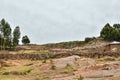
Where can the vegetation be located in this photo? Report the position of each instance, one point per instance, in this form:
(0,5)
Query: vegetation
(25,40)
(38,79)
(108,58)
(5,34)
(9,39)
(67,45)
(111,33)
(80,78)
(16,36)
(53,67)
(88,39)
(18,69)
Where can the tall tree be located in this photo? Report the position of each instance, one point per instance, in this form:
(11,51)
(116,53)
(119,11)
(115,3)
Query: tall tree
(117,28)
(106,32)
(5,30)
(109,33)
(16,36)
(25,40)
(2,23)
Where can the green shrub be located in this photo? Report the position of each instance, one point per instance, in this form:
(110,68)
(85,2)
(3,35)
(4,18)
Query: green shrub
(53,67)
(118,59)
(108,58)
(38,79)
(88,39)
(80,78)
(44,61)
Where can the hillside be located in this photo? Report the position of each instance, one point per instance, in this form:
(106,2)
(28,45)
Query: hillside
(43,62)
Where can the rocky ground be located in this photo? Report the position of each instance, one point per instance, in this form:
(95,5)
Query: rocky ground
(67,68)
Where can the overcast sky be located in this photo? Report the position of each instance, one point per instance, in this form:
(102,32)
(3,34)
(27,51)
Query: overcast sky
(49,21)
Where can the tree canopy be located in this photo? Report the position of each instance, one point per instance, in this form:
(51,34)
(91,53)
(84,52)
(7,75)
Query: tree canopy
(25,40)
(16,36)
(111,33)
(9,39)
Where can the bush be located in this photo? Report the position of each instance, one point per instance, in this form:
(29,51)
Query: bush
(108,58)
(80,78)
(53,67)
(88,39)
(38,79)
(118,59)
(44,61)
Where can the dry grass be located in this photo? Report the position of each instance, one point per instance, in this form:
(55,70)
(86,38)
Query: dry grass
(107,58)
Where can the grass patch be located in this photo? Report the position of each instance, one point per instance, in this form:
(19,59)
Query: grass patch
(118,59)
(34,51)
(39,79)
(4,52)
(80,78)
(27,51)
(16,70)
(107,58)
(9,77)
(45,52)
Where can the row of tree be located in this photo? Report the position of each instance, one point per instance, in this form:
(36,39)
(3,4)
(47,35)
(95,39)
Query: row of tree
(9,39)
(111,33)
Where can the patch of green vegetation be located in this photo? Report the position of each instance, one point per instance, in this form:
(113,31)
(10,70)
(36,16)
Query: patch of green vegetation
(118,59)
(39,79)
(44,61)
(22,69)
(80,78)
(3,52)
(45,52)
(9,77)
(53,67)
(27,51)
(69,68)
(88,39)
(107,58)
(117,78)
(66,45)
(37,72)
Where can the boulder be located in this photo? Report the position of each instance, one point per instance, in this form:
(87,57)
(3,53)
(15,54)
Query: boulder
(63,62)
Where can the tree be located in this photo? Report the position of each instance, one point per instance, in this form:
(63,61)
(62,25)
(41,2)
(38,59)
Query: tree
(106,32)
(110,33)
(7,39)
(88,39)
(7,34)
(16,36)
(5,31)
(117,28)
(25,40)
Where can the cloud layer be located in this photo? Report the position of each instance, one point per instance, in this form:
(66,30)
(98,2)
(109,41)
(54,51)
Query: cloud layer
(46,21)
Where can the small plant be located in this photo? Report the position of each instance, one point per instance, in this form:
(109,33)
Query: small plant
(51,61)
(38,79)
(53,67)
(69,68)
(80,78)
(118,59)
(44,61)
(108,58)
(68,65)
